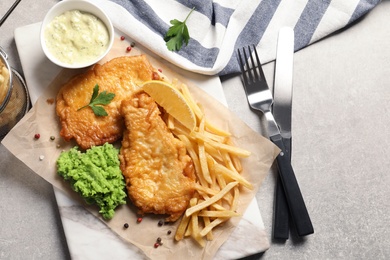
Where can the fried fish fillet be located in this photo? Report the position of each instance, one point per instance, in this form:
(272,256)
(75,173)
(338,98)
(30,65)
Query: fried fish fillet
(121,76)
(159,174)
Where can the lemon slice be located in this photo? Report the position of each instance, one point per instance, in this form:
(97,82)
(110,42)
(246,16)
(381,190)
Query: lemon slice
(172,100)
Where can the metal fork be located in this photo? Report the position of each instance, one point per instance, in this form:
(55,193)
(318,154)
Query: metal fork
(260,98)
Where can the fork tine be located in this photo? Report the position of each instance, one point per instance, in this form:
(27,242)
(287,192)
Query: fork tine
(243,61)
(249,68)
(250,64)
(262,76)
(253,69)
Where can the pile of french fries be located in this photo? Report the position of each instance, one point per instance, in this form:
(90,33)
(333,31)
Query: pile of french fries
(217,165)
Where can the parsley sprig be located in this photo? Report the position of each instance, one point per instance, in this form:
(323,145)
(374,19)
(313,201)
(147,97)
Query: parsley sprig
(102,98)
(177,34)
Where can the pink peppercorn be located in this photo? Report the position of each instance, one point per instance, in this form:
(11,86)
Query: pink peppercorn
(128,49)
(122,38)
(37,136)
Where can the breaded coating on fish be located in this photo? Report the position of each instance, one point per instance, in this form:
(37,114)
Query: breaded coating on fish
(121,76)
(159,174)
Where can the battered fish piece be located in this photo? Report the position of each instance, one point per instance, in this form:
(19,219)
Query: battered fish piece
(121,76)
(158,172)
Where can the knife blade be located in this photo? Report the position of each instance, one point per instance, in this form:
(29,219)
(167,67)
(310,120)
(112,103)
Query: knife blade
(282,110)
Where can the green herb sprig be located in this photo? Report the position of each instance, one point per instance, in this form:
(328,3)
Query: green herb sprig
(97,99)
(177,34)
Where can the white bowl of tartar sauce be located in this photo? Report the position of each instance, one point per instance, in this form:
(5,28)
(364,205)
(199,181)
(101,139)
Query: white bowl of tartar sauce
(76,34)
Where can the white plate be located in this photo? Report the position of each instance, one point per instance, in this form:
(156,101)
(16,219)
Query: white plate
(89,238)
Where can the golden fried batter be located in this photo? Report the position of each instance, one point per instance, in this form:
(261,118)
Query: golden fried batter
(159,174)
(121,76)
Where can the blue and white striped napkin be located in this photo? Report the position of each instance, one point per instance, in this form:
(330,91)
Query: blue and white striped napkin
(218,27)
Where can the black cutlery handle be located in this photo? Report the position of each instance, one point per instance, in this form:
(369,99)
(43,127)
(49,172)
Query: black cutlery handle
(296,204)
(281,228)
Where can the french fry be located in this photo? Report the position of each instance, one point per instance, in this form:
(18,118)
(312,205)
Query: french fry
(212,225)
(202,155)
(210,163)
(228,161)
(217,163)
(222,183)
(213,152)
(236,194)
(195,230)
(205,190)
(235,160)
(170,122)
(189,229)
(181,229)
(198,112)
(209,235)
(218,214)
(224,147)
(212,200)
(203,163)
(194,156)
(233,175)
(181,130)
(216,206)
(215,137)
(187,95)
(236,163)
(216,130)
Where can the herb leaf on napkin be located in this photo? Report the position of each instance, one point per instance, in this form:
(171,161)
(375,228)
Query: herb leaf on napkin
(177,34)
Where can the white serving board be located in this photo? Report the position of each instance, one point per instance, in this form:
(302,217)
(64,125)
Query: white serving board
(88,237)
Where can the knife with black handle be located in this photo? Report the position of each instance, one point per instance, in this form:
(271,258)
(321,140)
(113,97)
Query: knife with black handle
(282,111)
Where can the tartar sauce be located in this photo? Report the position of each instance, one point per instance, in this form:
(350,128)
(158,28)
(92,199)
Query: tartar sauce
(76,37)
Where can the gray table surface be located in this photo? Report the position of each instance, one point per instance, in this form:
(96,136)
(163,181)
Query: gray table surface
(341,114)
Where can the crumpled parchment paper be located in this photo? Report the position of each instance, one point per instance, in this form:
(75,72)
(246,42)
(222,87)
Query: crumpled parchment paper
(41,154)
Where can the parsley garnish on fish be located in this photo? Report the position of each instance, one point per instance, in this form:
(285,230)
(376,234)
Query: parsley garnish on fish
(98,99)
(177,34)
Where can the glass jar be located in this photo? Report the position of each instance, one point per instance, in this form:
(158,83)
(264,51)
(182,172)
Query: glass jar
(5,80)
(14,99)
